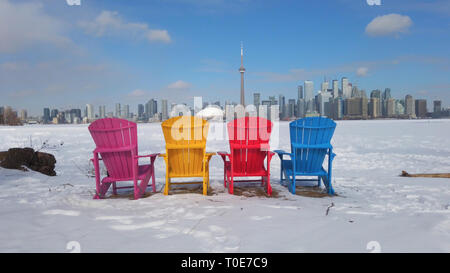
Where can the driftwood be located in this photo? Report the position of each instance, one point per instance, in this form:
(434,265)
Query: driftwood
(432,175)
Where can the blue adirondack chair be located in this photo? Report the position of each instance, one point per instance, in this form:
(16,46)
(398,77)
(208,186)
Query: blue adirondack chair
(310,143)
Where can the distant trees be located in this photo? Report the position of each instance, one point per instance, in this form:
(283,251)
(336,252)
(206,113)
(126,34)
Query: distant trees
(9,117)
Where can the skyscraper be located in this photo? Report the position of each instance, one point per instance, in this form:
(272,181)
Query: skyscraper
(164,110)
(410,109)
(300,94)
(282,106)
(256,99)
(126,111)
(324,86)
(23,115)
(242,71)
(309,91)
(46,117)
(151,108)
(102,111)
(118,111)
(140,110)
(437,106)
(346,89)
(335,87)
(421,108)
(90,111)
(291,108)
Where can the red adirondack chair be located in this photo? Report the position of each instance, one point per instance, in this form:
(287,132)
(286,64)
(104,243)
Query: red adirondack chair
(116,141)
(249,148)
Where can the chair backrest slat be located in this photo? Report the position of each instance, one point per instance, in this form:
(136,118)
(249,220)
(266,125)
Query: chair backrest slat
(310,131)
(249,142)
(185,138)
(113,133)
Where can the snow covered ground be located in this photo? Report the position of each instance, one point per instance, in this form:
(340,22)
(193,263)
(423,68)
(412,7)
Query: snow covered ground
(43,214)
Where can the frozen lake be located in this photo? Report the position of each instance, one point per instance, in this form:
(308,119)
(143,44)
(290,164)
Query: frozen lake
(43,214)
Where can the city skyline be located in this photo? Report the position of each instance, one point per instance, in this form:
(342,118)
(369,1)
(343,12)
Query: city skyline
(86,53)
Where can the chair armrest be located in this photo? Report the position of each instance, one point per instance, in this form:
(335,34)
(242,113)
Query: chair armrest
(98,159)
(151,155)
(224,156)
(332,155)
(282,152)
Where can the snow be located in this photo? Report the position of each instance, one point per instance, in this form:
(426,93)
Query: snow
(46,214)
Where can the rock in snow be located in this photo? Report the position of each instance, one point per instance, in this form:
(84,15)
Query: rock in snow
(19,158)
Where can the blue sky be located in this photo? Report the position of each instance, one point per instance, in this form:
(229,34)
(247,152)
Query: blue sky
(103,52)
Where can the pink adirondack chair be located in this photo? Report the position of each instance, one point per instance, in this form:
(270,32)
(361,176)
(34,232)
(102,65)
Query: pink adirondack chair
(249,149)
(116,141)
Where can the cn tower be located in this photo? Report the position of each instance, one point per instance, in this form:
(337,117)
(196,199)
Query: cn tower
(242,70)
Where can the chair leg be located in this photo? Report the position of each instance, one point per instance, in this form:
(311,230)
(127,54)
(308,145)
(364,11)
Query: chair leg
(137,192)
(230,185)
(318,181)
(269,187)
(292,182)
(225,175)
(167,186)
(153,179)
(114,188)
(205,185)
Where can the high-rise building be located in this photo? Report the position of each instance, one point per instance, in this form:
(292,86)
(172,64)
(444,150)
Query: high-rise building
(23,115)
(337,108)
(90,111)
(256,99)
(355,92)
(291,111)
(322,98)
(53,114)
(356,107)
(242,71)
(421,108)
(300,94)
(282,106)
(335,87)
(301,111)
(387,94)
(346,88)
(102,111)
(390,107)
(437,106)
(324,86)
(118,112)
(377,94)
(399,107)
(309,91)
(141,110)
(374,108)
(151,108)
(164,110)
(410,109)
(126,111)
(46,117)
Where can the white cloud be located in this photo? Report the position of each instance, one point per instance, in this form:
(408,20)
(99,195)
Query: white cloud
(391,24)
(179,85)
(109,23)
(25,24)
(138,93)
(362,71)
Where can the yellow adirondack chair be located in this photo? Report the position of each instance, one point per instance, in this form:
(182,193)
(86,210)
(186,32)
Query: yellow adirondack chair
(185,150)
